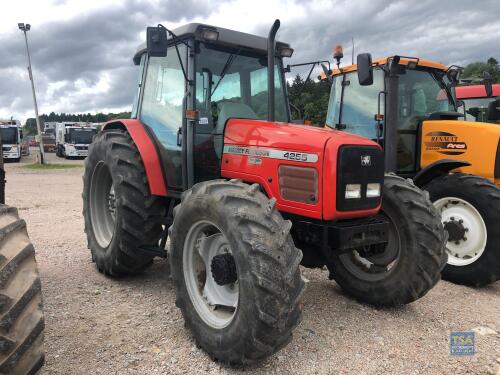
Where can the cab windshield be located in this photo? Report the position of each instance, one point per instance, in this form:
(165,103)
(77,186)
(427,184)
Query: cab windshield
(81,136)
(9,135)
(233,83)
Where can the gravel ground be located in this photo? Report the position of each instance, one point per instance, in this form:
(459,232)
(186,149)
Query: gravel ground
(99,325)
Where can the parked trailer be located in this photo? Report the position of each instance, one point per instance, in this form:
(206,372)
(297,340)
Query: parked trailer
(73,139)
(11,134)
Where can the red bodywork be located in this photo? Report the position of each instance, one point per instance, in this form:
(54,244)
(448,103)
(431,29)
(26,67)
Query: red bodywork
(475,91)
(300,138)
(322,142)
(149,156)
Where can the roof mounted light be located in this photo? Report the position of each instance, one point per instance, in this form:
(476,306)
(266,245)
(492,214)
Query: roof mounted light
(412,64)
(208,33)
(284,50)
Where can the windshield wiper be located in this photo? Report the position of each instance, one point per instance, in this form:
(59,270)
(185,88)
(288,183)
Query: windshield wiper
(224,70)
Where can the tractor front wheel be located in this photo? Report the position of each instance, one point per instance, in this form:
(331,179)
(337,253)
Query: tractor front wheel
(235,271)
(409,265)
(121,216)
(470,210)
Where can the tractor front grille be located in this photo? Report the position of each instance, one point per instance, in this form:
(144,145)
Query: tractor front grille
(361,165)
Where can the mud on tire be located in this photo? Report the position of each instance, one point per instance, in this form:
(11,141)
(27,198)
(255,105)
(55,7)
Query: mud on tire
(21,314)
(421,255)
(484,197)
(120,214)
(267,264)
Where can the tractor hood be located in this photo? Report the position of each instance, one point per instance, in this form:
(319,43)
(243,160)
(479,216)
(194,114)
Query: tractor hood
(285,136)
(475,142)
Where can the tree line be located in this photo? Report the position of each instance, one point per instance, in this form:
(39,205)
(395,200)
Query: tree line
(30,126)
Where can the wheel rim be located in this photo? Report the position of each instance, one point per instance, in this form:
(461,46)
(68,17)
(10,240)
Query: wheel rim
(375,262)
(102,203)
(204,246)
(466,230)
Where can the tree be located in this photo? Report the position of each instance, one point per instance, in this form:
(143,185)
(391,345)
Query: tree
(475,70)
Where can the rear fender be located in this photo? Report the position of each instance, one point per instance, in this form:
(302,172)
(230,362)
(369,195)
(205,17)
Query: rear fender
(147,150)
(437,169)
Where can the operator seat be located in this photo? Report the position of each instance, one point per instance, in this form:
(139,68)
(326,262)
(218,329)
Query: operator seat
(229,110)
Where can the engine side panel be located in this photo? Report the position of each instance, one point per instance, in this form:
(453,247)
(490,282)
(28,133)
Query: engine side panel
(147,149)
(474,142)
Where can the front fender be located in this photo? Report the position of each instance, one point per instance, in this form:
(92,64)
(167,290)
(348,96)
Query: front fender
(437,169)
(147,150)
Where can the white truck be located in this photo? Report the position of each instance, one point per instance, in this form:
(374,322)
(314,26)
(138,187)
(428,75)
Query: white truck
(11,133)
(73,139)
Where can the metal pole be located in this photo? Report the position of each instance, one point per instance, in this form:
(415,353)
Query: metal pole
(38,127)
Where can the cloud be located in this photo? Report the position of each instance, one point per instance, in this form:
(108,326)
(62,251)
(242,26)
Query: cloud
(82,62)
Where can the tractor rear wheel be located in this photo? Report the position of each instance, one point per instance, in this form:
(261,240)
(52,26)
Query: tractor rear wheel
(470,209)
(235,271)
(21,314)
(121,216)
(409,265)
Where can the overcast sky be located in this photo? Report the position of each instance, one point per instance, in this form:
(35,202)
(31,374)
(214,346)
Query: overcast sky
(82,50)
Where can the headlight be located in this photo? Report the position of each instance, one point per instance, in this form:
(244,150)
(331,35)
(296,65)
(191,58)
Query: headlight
(352,191)
(373,190)
(13,148)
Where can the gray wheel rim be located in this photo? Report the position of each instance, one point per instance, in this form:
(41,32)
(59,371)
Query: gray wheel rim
(102,204)
(215,304)
(366,268)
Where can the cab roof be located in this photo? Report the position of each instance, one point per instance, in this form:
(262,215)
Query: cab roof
(383,61)
(227,37)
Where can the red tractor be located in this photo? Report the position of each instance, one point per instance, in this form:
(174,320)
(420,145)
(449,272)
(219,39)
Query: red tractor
(210,161)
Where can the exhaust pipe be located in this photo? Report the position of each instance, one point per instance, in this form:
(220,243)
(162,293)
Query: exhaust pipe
(271,50)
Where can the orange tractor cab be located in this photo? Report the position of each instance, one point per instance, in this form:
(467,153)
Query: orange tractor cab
(210,160)
(408,105)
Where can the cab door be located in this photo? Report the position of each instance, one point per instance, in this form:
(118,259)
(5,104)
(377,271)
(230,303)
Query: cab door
(162,110)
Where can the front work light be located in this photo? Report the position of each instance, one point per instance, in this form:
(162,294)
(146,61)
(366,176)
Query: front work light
(373,190)
(209,34)
(285,51)
(352,191)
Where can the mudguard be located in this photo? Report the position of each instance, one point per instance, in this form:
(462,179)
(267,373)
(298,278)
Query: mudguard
(437,169)
(147,150)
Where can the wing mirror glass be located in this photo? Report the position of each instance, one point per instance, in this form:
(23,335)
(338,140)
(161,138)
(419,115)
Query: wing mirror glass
(365,69)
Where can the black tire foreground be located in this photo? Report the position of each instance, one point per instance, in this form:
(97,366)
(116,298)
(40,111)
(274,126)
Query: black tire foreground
(422,255)
(138,214)
(485,197)
(267,262)
(21,314)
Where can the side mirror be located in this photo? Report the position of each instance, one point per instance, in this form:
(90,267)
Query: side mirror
(365,69)
(453,75)
(494,110)
(488,84)
(156,41)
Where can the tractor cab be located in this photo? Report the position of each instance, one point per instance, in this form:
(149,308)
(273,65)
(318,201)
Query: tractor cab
(410,108)
(204,76)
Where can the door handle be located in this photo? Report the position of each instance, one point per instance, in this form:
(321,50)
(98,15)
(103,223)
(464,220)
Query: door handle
(179,137)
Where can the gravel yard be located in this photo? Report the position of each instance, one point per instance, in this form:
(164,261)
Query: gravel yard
(99,325)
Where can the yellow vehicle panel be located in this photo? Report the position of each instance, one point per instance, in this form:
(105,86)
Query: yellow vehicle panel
(474,142)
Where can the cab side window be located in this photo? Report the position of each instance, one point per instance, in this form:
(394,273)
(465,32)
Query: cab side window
(162,103)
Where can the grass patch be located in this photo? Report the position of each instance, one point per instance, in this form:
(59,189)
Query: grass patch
(51,166)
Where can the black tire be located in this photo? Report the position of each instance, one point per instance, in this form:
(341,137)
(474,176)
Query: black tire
(21,313)
(484,196)
(421,255)
(138,214)
(267,263)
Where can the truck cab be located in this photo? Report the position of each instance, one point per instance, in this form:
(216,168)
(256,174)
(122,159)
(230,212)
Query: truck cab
(12,135)
(73,139)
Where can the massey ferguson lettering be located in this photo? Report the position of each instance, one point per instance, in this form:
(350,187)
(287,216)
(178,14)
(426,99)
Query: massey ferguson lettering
(270,153)
(444,143)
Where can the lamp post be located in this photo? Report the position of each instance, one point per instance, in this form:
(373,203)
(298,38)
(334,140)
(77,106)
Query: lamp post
(24,28)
